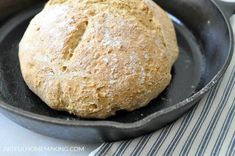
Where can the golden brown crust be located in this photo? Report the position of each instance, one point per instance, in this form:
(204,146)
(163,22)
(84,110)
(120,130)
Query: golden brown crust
(95,57)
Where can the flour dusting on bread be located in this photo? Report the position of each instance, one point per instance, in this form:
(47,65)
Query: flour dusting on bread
(93,58)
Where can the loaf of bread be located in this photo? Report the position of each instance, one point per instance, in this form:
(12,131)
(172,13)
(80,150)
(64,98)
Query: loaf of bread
(93,58)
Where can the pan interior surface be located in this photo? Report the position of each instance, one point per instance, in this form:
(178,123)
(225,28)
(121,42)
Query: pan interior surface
(198,63)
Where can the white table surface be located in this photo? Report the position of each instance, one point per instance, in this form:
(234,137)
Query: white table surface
(15,141)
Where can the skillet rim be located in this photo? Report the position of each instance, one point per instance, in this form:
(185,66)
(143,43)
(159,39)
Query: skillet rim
(118,125)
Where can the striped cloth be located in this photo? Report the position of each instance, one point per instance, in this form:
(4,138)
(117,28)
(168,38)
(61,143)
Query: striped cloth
(208,129)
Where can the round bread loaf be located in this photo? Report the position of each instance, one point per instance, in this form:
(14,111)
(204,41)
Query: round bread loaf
(92,58)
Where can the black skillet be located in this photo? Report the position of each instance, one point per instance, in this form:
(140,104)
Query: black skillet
(206,45)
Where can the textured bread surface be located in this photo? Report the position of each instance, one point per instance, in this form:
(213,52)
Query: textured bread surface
(92,58)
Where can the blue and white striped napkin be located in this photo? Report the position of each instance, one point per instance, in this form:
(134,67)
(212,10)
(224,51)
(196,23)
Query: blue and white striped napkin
(208,129)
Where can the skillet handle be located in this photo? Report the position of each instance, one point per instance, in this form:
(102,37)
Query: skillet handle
(228,6)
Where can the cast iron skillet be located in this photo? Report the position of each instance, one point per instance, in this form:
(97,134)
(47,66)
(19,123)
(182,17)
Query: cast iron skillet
(206,45)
